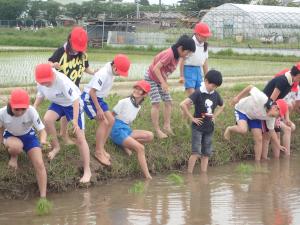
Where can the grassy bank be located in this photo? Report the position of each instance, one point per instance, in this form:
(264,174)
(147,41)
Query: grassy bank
(162,155)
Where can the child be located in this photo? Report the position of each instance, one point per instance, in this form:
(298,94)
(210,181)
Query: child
(191,68)
(157,74)
(96,108)
(250,111)
(71,59)
(205,102)
(125,112)
(64,96)
(278,88)
(16,133)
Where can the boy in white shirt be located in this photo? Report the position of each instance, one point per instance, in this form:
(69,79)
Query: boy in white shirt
(65,101)
(17,120)
(125,112)
(95,106)
(251,112)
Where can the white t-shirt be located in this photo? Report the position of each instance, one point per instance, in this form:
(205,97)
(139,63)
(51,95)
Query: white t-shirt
(198,57)
(126,111)
(62,92)
(23,124)
(254,107)
(102,81)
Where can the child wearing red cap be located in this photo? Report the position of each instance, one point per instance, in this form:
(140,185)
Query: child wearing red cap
(157,74)
(250,112)
(278,88)
(191,68)
(125,113)
(17,120)
(71,59)
(65,100)
(95,106)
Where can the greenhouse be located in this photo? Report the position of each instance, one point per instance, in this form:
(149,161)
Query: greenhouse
(267,23)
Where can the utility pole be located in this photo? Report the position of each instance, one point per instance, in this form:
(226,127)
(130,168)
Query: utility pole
(160,22)
(137,9)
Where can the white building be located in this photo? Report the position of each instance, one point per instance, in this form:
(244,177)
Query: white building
(254,21)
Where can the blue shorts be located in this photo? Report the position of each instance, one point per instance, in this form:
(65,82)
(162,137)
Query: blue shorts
(68,112)
(192,76)
(29,140)
(251,123)
(89,106)
(120,131)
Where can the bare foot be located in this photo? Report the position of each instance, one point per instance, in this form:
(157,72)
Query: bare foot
(161,134)
(102,159)
(107,154)
(128,151)
(86,177)
(169,131)
(149,177)
(227,134)
(13,162)
(53,153)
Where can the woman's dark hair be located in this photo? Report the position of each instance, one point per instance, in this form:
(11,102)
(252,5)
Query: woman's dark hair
(205,46)
(186,42)
(9,110)
(295,71)
(69,49)
(214,77)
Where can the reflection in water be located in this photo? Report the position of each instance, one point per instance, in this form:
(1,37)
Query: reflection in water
(268,196)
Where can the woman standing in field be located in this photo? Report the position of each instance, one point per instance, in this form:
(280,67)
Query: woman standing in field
(71,60)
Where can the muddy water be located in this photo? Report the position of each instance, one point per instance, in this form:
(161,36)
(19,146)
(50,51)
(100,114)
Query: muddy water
(270,196)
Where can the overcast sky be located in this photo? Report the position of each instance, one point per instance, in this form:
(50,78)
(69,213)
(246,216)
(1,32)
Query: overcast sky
(165,2)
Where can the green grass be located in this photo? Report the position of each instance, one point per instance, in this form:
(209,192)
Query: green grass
(137,188)
(244,169)
(43,207)
(175,179)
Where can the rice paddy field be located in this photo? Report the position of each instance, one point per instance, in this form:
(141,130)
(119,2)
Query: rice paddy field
(17,67)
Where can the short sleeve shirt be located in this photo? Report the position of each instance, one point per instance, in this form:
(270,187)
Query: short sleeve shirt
(169,62)
(198,57)
(126,111)
(22,124)
(280,82)
(253,107)
(62,92)
(102,81)
(205,104)
(72,66)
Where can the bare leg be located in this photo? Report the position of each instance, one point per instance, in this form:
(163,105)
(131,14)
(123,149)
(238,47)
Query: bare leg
(49,120)
(142,136)
(155,120)
(240,128)
(275,149)
(15,147)
(64,131)
(266,142)
(140,150)
(167,117)
(35,155)
(257,136)
(204,163)
(85,155)
(286,139)
(192,160)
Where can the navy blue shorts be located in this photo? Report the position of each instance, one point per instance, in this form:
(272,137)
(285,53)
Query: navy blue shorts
(120,131)
(251,123)
(68,112)
(29,140)
(192,76)
(89,106)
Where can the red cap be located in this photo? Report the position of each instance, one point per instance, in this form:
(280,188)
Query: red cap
(144,85)
(202,29)
(295,86)
(44,73)
(283,107)
(19,99)
(298,65)
(122,64)
(79,39)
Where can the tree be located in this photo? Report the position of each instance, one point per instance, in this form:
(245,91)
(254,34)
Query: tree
(12,9)
(197,5)
(52,9)
(144,2)
(269,2)
(34,9)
